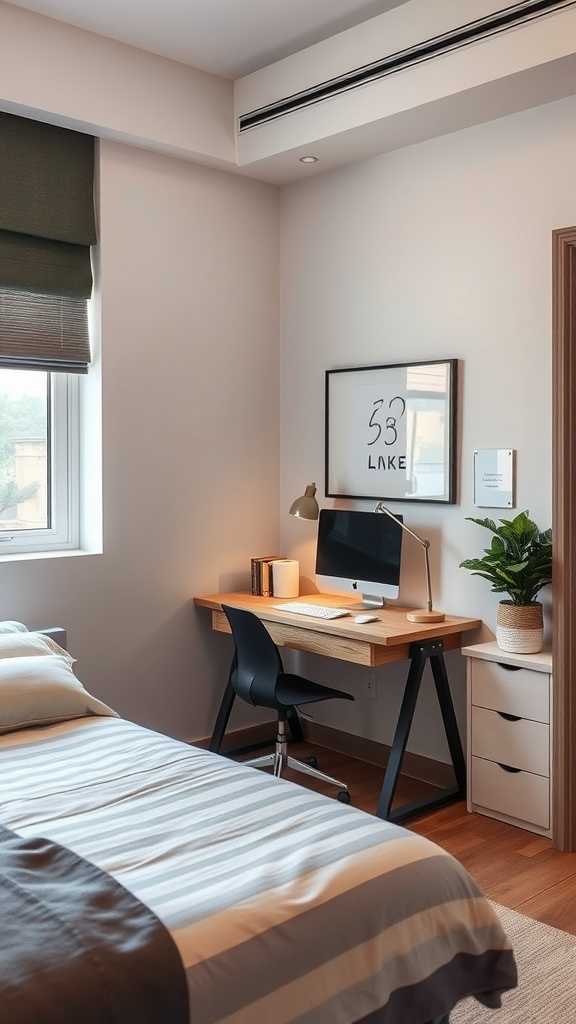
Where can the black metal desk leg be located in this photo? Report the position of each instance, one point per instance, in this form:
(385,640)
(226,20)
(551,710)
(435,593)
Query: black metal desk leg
(419,654)
(223,715)
(440,674)
(402,733)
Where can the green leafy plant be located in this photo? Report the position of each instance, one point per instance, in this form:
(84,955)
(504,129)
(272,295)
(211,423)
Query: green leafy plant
(518,561)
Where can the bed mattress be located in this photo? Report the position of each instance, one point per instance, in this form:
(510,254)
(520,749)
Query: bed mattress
(285,905)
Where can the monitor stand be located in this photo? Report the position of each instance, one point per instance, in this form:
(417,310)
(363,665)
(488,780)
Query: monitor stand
(369,603)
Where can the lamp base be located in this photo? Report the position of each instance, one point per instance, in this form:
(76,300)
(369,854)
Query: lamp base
(421,615)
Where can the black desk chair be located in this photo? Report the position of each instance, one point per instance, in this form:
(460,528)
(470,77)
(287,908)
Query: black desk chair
(258,677)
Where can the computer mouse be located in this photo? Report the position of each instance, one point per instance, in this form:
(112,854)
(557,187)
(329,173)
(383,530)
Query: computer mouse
(362,620)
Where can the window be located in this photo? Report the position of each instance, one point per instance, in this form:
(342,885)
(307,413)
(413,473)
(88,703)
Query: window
(47,230)
(39,427)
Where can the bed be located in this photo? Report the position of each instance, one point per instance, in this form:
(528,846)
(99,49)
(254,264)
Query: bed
(284,905)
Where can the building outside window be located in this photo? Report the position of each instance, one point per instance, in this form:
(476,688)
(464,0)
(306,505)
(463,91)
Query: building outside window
(38,460)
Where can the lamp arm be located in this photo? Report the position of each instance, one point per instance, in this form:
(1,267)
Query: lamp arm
(381,507)
(428,578)
(423,541)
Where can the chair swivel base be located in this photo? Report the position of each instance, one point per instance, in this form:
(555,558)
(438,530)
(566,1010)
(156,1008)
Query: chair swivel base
(280,760)
(279,765)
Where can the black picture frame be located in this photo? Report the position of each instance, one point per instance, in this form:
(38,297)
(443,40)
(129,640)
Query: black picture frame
(453,446)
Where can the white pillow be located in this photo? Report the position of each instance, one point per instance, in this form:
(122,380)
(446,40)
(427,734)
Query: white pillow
(28,645)
(42,690)
(13,627)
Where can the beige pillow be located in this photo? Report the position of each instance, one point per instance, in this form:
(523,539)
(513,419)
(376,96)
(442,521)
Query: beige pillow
(28,645)
(41,690)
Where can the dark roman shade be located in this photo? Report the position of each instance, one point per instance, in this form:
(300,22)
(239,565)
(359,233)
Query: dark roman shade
(47,226)
(46,208)
(43,332)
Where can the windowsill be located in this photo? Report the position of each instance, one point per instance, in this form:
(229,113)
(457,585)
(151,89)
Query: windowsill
(30,556)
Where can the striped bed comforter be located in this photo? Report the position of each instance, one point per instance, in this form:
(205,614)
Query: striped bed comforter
(285,906)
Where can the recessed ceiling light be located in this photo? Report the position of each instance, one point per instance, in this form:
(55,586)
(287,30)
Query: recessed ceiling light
(308,159)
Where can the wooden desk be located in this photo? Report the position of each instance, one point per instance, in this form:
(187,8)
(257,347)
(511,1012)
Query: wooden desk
(392,639)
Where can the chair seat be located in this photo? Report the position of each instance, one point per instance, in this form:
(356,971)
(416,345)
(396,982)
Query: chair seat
(291,691)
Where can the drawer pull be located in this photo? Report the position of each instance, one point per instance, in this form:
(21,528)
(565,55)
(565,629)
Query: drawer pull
(508,768)
(509,718)
(509,668)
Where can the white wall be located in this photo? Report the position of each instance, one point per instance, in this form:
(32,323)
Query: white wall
(61,74)
(442,249)
(189,282)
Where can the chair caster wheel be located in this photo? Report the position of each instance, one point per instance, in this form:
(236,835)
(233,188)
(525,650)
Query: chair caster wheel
(344,797)
(312,761)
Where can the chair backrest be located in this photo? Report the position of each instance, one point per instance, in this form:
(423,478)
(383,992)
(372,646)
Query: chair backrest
(258,662)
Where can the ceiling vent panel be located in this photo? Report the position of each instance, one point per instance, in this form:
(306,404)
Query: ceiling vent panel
(503,20)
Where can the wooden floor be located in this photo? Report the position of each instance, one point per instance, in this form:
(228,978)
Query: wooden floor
(513,867)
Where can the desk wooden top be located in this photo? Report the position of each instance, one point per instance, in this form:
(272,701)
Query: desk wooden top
(392,629)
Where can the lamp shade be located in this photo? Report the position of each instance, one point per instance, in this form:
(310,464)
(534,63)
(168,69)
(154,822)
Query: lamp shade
(306,507)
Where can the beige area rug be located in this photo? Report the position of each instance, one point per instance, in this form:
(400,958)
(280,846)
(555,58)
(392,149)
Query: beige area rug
(546,993)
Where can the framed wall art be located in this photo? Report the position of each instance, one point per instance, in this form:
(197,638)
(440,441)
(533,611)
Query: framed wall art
(391,432)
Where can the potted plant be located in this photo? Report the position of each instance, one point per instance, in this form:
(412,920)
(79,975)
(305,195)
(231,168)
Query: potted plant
(518,563)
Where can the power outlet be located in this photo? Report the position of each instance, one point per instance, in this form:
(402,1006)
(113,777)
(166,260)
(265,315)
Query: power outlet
(372,690)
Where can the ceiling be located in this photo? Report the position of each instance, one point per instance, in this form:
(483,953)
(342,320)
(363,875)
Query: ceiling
(226,37)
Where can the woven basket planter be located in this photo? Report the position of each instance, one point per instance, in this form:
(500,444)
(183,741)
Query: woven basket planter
(520,627)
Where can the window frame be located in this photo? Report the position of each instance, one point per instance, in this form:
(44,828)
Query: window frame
(64,475)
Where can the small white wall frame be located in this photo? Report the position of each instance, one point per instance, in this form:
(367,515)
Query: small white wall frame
(494,477)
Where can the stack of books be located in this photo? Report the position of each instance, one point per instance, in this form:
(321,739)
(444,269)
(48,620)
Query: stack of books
(262,575)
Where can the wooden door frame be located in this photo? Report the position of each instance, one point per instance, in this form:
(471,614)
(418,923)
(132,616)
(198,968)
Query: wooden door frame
(564,531)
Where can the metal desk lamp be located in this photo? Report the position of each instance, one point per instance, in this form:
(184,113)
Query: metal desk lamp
(424,614)
(306,507)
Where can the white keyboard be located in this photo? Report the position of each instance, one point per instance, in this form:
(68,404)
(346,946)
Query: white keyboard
(316,611)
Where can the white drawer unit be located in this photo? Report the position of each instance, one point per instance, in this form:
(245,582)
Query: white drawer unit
(510,736)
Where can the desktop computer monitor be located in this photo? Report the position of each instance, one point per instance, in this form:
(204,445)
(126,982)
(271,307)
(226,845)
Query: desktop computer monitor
(359,551)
